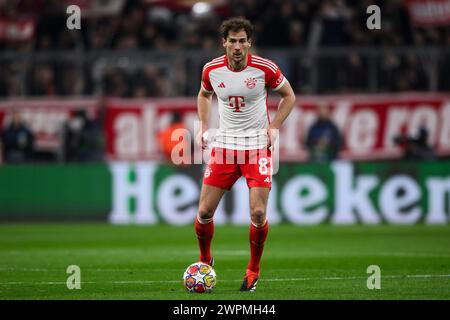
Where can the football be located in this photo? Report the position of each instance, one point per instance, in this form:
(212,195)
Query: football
(199,277)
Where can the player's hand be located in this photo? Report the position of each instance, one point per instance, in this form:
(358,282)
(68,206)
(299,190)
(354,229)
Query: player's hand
(272,135)
(200,139)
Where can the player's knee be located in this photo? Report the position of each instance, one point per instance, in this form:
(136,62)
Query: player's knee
(205,212)
(258,215)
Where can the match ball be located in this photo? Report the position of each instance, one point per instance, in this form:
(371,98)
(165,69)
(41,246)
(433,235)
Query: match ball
(199,277)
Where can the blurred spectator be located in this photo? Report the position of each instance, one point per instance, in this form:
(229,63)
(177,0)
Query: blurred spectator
(115,83)
(82,139)
(355,70)
(416,147)
(296,34)
(100,32)
(323,138)
(148,82)
(335,17)
(42,81)
(17,140)
(402,73)
(191,37)
(10,79)
(71,80)
(444,74)
(165,141)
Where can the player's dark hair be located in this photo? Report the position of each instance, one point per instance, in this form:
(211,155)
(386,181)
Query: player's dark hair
(235,25)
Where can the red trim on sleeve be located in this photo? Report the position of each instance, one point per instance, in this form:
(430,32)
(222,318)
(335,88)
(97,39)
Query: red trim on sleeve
(273,75)
(205,80)
(211,65)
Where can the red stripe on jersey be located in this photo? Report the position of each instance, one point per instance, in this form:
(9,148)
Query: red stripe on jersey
(213,64)
(203,87)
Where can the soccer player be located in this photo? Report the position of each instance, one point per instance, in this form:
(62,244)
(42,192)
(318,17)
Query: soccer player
(240,81)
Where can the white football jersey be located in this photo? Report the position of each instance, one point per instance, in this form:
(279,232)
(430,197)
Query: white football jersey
(242,100)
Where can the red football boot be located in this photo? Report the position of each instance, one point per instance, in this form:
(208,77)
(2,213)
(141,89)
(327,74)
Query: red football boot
(250,281)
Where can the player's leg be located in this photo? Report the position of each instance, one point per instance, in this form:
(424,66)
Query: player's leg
(259,180)
(204,225)
(218,178)
(258,227)
(257,235)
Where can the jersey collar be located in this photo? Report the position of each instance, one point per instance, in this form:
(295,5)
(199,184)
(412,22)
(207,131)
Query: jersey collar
(249,60)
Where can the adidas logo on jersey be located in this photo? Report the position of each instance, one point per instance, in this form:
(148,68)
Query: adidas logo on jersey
(221,85)
(267,179)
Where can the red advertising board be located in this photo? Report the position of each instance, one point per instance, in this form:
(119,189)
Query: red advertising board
(131,126)
(429,12)
(368,123)
(45,117)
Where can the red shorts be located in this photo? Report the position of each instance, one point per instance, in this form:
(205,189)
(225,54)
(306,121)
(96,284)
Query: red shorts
(226,166)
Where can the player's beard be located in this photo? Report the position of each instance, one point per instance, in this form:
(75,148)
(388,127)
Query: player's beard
(238,63)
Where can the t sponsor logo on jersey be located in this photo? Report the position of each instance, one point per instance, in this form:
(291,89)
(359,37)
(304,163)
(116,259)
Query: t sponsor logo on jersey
(221,85)
(250,82)
(236,102)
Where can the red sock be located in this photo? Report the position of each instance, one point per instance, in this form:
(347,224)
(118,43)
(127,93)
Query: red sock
(257,238)
(204,233)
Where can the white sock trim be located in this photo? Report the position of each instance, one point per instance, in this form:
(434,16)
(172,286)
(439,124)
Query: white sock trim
(260,226)
(203,221)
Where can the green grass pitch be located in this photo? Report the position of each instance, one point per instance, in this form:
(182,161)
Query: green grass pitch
(147,262)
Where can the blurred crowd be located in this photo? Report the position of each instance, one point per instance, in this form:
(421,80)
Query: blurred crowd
(143,24)
(127,26)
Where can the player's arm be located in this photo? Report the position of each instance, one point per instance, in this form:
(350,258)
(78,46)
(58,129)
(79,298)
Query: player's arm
(284,108)
(204,101)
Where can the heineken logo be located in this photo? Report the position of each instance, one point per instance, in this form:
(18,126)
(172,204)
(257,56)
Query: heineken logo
(340,193)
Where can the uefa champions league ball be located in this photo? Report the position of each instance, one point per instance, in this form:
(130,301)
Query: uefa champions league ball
(199,277)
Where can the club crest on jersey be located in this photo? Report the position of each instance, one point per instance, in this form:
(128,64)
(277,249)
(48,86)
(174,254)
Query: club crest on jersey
(250,82)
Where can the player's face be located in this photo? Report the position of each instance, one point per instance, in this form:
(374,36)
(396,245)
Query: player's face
(237,45)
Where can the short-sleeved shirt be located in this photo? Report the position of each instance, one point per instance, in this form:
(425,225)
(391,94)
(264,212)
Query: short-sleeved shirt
(242,100)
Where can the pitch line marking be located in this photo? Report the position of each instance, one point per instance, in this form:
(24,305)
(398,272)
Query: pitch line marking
(24,269)
(237,280)
(225,252)
(116,251)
